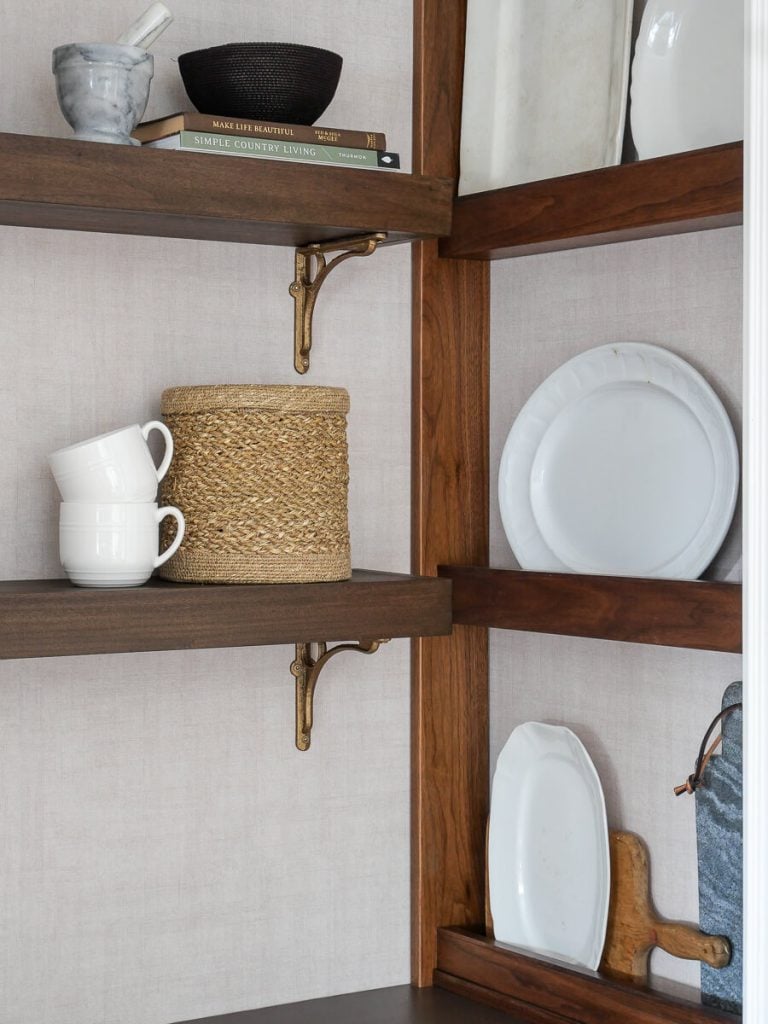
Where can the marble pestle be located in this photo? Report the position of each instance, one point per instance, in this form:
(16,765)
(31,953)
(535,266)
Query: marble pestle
(147,27)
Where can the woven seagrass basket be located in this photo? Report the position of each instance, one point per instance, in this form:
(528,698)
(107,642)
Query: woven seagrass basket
(260,473)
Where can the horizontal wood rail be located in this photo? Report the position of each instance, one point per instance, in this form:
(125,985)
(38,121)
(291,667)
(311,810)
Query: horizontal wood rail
(673,613)
(49,618)
(544,992)
(669,195)
(86,186)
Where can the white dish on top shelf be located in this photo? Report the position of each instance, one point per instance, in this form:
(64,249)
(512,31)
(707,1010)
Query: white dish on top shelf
(688,76)
(548,853)
(623,462)
(545,89)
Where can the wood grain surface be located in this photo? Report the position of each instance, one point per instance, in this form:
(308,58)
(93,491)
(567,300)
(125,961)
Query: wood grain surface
(449,717)
(673,613)
(86,186)
(401,1004)
(669,195)
(634,927)
(49,618)
(580,996)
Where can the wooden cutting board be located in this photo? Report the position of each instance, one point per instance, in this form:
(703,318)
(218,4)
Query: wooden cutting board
(634,927)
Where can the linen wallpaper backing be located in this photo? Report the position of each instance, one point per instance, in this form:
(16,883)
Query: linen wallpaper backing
(165,852)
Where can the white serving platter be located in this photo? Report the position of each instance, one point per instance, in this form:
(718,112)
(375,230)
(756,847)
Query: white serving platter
(622,462)
(545,89)
(688,76)
(548,853)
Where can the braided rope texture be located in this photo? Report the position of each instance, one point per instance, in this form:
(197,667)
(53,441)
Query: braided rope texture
(261,474)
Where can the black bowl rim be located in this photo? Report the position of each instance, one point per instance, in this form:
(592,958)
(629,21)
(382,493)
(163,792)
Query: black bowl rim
(223,48)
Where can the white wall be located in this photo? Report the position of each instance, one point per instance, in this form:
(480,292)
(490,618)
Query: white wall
(641,711)
(165,852)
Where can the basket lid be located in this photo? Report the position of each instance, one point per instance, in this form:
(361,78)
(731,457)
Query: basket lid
(286,398)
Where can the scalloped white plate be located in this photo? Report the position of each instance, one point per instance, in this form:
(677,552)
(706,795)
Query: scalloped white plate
(622,462)
(548,854)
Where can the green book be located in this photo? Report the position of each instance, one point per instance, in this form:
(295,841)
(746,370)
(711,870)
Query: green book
(273,149)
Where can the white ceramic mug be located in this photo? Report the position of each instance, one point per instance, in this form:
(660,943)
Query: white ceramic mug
(114,544)
(117,466)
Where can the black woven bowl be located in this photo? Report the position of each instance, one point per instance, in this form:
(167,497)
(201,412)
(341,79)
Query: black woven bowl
(263,81)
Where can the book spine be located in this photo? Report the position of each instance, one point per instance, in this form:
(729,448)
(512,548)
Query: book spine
(287,132)
(235,145)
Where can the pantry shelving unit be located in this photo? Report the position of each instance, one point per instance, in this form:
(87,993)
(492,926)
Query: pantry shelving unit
(686,192)
(63,184)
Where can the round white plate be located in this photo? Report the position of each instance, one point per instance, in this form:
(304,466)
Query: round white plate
(548,854)
(623,462)
(688,76)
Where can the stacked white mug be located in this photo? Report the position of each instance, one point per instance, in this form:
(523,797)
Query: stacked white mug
(109,521)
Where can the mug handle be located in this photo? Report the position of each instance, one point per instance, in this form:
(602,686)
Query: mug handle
(146,430)
(169,510)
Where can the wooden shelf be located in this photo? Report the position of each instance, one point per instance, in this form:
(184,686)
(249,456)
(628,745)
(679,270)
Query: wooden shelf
(673,613)
(87,186)
(49,618)
(670,195)
(541,990)
(401,1004)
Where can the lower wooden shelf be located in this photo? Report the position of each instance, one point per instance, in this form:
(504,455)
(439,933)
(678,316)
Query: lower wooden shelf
(673,613)
(545,992)
(49,618)
(401,1004)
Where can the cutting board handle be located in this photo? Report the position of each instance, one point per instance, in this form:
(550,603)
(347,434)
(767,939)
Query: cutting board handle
(689,943)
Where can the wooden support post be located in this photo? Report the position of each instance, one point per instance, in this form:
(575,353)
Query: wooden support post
(449,520)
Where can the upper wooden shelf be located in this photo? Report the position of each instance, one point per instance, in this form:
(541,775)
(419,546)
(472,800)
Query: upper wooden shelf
(667,196)
(49,618)
(672,613)
(87,186)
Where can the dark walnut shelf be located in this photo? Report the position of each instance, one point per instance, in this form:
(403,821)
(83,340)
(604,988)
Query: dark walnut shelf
(542,991)
(672,613)
(667,196)
(86,186)
(399,1005)
(49,618)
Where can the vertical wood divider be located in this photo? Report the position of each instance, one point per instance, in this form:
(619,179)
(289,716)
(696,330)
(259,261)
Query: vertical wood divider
(450,416)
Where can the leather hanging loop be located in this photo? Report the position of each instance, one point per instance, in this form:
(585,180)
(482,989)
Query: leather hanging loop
(694,780)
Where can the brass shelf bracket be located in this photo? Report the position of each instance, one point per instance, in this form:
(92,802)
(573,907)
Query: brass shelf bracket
(306,667)
(306,286)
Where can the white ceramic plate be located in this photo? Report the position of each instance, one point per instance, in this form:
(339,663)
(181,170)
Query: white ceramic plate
(622,462)
(545,86)
(688,76)
(548,855)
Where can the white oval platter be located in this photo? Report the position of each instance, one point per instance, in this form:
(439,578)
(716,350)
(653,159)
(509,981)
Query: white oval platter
(548,853)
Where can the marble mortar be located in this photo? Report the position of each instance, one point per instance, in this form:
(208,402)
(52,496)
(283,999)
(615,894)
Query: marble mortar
(103,89)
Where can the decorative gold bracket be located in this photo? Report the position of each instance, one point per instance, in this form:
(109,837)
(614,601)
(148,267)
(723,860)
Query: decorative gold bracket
(306,668)
(305,288)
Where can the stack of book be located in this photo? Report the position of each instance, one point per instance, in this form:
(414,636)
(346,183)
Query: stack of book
(206,133)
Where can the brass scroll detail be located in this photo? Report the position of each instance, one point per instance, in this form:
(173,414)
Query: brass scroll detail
(305,287)
(306,667)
